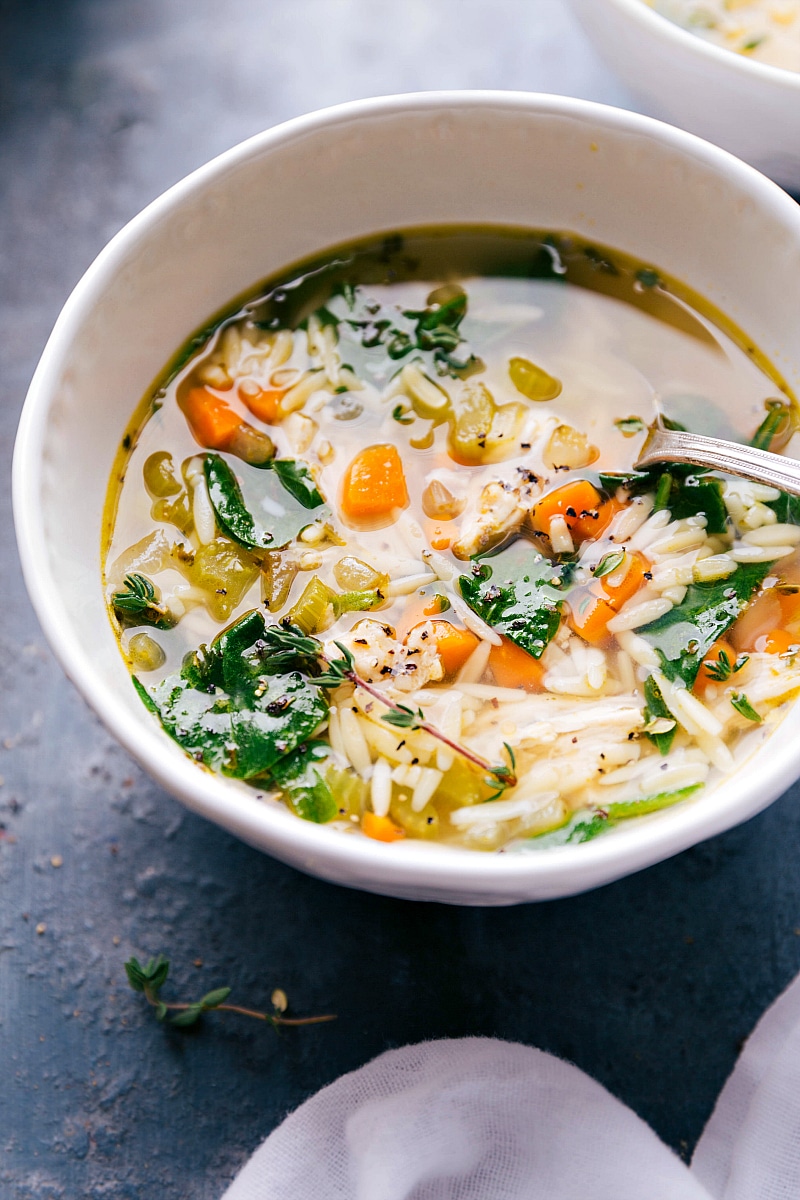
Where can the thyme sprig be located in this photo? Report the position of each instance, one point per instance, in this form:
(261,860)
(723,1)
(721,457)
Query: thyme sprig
(139,601)
(149,978)
(296,650)
(721,668)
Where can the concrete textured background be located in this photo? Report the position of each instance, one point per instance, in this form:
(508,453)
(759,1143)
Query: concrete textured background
(650,985)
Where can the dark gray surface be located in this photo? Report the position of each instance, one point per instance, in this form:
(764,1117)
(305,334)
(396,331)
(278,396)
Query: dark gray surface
(649,985)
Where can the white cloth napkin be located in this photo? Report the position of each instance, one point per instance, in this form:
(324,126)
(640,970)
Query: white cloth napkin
(479,1119)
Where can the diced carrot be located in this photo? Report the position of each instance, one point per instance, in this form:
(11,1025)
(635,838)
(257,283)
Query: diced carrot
(440,540)
(381,829)
(211,419)
(704,678)
(605,515)
(777,641)
(580,504)
(592,607)
(759,619)
(374,487)
(619,588)
(453,645)
(589,611)
(263,403)
(513,667)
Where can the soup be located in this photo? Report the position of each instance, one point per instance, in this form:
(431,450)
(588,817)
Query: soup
(765,30)
(376,548)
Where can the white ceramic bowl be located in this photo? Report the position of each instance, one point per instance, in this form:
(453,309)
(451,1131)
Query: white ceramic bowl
(377,165)
(744,106)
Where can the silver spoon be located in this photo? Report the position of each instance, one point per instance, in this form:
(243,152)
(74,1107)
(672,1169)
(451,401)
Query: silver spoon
(673,446)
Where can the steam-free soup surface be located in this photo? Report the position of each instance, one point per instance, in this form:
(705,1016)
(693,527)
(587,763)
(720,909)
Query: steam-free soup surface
(377,549)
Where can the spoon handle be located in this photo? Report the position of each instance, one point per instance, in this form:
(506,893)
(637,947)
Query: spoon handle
(670,445)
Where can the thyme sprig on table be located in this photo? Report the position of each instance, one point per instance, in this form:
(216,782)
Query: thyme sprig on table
(138,600)
(149,978)
(291,649)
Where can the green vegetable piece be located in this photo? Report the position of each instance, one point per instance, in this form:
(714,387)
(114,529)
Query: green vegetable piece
(235,516)
(656,709)
(609,563)
(159,477)
(745,708)
(517,592)
(296,477)
(303,778)
(629,426)
(138,602)
(356,602)
(581,827)
(623,809)
(663,492)
(277,576)
(533,382)
(685,634)
(311,613)
(776,424)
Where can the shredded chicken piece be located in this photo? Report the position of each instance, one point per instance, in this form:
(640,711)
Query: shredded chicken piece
(501,510)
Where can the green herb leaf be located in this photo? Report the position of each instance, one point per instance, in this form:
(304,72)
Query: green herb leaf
(518,593)
(609,563)
(189,1016)
(156,972)
(656,709)
(136,975)
(269,494)
(745,708)
(403,717)
(684,635)
(161,1010)
(216,997)
(721,669)
(296,477)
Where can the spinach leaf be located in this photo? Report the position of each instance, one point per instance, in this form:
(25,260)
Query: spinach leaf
(622,809)
(267,493)
(685,491)
(581,827)
(786,508)
(517,592)
(296,477)
(227,712)
(303,777)
(774,423)
(699,494)
(685,634)
(656,708)
(589,823)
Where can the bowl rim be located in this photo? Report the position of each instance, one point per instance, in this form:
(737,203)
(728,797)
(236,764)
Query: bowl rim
(358,861)
(683,40)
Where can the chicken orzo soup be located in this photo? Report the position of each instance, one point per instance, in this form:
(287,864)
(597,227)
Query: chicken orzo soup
(765,30)
(375,547)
